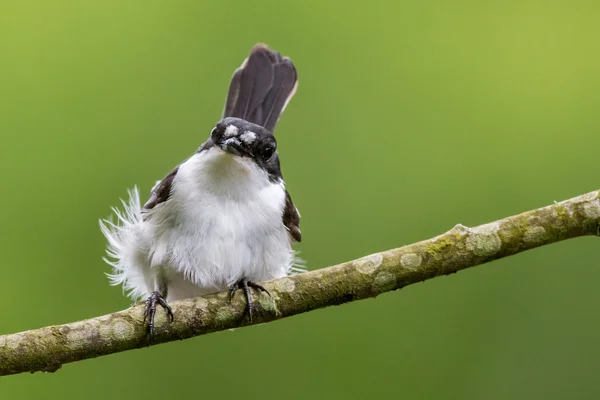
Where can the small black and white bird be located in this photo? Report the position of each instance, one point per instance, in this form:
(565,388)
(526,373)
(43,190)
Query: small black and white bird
(222,219)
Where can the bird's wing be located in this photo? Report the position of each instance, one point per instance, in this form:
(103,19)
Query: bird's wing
(291,219)
(161,191)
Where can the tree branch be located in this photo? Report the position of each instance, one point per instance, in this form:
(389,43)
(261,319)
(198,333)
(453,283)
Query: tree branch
(46,349)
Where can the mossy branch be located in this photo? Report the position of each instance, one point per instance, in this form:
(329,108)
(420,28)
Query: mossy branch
(46,349)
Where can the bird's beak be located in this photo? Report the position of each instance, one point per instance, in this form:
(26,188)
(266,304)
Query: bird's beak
(233,146)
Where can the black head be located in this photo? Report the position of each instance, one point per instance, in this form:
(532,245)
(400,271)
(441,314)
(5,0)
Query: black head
(245,139)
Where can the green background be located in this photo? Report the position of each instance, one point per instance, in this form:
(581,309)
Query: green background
(410,117)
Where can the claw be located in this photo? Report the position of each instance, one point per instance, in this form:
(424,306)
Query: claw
(245,285)
(150,311)
(233,289)
(258,287)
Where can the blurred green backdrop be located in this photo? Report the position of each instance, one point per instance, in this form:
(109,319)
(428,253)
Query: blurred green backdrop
(410,117)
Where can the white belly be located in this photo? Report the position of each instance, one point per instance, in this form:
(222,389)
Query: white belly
(223,223)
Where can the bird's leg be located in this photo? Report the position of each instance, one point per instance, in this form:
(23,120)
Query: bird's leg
(155,299)
(245,285)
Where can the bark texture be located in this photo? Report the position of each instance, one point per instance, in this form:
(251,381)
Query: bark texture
(46,349)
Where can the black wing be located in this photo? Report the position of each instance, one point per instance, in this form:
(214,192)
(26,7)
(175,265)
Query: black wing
(261,88)
(291,218)
(162,191)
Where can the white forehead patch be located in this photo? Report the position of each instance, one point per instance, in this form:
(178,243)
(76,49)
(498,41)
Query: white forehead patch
(248,137)
(231,130)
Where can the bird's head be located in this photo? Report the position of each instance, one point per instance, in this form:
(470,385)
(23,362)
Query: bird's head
(241,138)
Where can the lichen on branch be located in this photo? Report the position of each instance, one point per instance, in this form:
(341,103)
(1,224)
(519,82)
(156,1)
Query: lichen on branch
(46,349)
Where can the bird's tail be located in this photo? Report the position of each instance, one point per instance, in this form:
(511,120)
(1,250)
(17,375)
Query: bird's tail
(261,87)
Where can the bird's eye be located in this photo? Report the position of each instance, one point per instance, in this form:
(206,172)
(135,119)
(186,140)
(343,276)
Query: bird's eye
(267,152)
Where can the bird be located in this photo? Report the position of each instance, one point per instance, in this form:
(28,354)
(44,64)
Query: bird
(222,219)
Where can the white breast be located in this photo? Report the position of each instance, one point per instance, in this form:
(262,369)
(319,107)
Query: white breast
(222,223)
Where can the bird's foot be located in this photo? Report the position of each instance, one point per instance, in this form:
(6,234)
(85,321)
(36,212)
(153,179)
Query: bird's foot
(245,285)
(150,310)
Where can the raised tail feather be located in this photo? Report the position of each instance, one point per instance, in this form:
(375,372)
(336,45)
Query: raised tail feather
(261,87)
